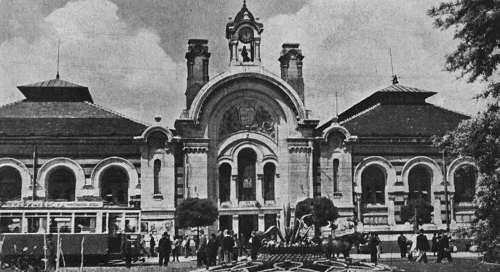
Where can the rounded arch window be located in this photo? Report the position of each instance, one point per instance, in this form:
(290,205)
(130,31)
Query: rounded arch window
(269,174)
(114,185)
(10,183)
(373,185)
(224,182)
(61,184)
(247,160)
(465,183)
(419,183)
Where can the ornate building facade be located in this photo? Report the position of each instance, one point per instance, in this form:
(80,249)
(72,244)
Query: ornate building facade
(245,141)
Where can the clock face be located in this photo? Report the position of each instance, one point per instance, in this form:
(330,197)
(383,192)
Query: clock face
(245,35)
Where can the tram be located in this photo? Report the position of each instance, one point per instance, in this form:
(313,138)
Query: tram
(83,228)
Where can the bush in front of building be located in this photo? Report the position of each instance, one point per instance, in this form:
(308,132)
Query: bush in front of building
(195,212)
(424,211)
(321,211)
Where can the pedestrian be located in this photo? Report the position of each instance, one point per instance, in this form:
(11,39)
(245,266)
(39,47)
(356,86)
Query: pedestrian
(444,250)
(127,251)
(243,245)
(413,252)
(187,246)
(176,248)
(402,243)
(236,247)
(422,247)
(220,238)
(201,252)
(212,250)
(434,247)
(152,245)
(379,246)
(227,246)
(51,253)
(255,246)
(164,249)
(373,242)
(144,251)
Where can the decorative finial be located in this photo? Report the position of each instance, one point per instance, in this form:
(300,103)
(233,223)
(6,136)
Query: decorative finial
(395,80)
(244,4)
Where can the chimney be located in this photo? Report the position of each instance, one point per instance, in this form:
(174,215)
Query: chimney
(197,67)
(291,67)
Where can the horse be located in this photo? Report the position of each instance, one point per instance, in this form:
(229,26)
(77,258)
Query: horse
(343,244)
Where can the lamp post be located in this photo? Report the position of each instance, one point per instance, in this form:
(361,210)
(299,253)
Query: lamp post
(446,193)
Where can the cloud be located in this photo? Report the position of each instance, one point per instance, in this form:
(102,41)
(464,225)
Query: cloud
(347,50)
(126,70)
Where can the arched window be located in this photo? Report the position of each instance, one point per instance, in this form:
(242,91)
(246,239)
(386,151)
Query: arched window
(156,176)
(10,183)
(224,182)
(373,185)
(114,185)
(465,183)
(247,160)
(269,174)
(62,184)
(336,175)
(419,183)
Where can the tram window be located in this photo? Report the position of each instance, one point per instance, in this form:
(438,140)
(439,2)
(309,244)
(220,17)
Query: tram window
(131,223)
(104,223)
(115,223)
(36,224)
(10,223)
(60,224)
(85,223)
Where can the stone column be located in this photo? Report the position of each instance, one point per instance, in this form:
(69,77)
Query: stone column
(452,209)
(234,48)
(234,185)
(236,225)
(438,220)
(261,222)
(257,49)
(391,218)
(358,203)
(259,189)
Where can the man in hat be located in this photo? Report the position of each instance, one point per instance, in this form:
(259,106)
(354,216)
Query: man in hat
(422,246)
(164,249)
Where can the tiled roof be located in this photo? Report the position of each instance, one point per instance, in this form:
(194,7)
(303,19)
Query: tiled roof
(403,120)
(54,83)
(64,119)
(402,89)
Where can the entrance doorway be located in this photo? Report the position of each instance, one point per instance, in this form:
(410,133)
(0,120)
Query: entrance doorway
(225,222)
(248,223)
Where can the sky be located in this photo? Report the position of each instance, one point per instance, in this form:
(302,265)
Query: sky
(131,54)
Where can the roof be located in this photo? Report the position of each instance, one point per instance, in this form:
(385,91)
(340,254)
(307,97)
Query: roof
(56,90)
(403,120)
(27,118)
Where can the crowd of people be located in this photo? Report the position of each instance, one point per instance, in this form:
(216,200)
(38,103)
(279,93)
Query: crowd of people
(223,247)
(418,246)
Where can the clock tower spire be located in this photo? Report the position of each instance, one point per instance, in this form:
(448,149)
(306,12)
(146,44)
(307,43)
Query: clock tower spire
(243,34)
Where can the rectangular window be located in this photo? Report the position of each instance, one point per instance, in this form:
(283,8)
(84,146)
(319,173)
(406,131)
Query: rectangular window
(85,223)
(10,223)
(60,223)
(37,223)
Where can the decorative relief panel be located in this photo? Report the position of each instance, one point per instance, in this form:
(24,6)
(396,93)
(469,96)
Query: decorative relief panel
(248,116)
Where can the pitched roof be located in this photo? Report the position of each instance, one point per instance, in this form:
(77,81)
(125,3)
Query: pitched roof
(403,120)
(56,90)
(25,118)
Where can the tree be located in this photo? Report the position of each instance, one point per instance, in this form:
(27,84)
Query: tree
(476,25)
(424,212)
(321,209)
(195,212)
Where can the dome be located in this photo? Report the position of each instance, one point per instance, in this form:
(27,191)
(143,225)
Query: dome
(241,14)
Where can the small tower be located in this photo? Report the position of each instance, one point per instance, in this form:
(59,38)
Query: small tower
(291,67)
(197,65)
(243,34)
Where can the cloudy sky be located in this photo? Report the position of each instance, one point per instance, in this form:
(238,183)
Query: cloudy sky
(131,53)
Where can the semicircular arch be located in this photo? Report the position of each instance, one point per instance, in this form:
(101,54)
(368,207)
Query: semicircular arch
(21,168)
(380,162)
(122,163)
(50,165)
(428,163)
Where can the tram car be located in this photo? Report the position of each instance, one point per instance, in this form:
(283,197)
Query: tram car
(100,237)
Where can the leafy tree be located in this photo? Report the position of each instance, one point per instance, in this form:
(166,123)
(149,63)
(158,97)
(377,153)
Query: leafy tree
(476,24)
(321,210)
(424,211)
(195,212)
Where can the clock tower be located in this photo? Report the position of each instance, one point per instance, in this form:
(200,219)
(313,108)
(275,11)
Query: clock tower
(243,34)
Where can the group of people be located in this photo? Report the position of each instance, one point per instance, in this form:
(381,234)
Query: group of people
(223,247)
(419,245)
